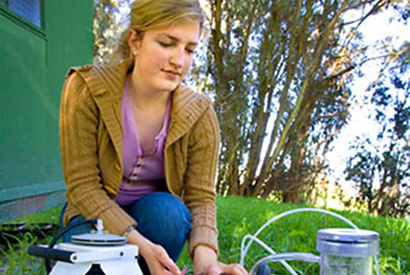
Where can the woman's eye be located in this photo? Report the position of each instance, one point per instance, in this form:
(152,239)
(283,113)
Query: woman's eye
(190,51)
(165,44)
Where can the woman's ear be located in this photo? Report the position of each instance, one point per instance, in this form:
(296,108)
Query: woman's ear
(134,40)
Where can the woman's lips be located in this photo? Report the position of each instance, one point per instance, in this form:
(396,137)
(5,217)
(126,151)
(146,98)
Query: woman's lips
(172,73)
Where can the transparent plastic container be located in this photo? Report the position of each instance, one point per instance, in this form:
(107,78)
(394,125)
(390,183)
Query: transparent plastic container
(347,251)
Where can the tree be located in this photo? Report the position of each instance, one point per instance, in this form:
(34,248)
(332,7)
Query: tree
(279,71)
(381,169)
(109,24)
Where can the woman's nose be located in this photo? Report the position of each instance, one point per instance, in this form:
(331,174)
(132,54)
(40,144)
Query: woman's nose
(178,57)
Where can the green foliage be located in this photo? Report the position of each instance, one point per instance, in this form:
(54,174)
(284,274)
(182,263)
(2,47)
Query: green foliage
(380,168)
(240,216)
(18,261)
(280,82)
(15,258)
(50,216)
(109,23)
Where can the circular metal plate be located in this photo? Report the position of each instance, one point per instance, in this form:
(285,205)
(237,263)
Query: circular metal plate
(98,239)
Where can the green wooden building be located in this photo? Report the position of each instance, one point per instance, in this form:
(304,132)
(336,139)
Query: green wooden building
(39,41)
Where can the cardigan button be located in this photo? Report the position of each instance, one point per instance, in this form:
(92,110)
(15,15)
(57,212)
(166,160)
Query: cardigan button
(100,92)
(85,68)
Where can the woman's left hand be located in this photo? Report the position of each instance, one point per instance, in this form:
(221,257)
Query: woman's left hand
(219,268)
(206,263)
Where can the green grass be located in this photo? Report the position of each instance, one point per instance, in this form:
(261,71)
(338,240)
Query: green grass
(297,233)
(14,259)
(239,216)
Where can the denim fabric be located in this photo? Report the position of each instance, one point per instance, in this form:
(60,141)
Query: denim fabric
(162,218)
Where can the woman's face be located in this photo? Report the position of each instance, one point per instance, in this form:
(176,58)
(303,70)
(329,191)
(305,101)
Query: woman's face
(163,56)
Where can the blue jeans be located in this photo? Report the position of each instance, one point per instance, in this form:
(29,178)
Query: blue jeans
(162,218)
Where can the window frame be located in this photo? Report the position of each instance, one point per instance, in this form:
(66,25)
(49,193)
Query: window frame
(13,16)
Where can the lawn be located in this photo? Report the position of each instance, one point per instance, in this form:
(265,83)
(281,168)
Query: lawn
(238,217)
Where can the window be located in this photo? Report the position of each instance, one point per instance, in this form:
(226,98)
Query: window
(27,9)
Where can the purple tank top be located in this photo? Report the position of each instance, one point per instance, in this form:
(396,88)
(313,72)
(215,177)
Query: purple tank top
(143,172)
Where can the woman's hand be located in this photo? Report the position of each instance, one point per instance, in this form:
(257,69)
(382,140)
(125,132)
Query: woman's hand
(157,259)
(206,263)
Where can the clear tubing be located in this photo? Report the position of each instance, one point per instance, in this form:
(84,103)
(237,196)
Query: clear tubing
(244,249)
(291,256)
(271,251)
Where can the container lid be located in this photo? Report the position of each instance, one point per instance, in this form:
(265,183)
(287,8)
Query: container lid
(346,242)
(347,235)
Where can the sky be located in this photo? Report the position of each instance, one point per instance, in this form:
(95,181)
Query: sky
(373,29)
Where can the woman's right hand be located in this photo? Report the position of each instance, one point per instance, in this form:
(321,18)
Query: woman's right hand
(154,255)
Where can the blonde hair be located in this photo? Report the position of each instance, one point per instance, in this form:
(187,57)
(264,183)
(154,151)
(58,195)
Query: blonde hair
(148,14)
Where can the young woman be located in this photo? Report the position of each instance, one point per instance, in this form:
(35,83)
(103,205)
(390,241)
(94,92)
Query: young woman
(139,149)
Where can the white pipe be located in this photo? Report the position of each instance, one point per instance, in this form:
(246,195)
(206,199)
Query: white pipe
(245,248)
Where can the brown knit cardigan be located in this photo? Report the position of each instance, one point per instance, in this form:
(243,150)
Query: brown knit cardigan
(91,148)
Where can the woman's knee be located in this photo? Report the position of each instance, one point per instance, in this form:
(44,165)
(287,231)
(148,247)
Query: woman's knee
(162,209)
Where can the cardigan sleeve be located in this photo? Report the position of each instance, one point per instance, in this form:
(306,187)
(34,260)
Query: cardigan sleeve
(78,127)
(199,179)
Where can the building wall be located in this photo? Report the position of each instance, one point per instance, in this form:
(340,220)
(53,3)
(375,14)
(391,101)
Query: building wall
(33,63)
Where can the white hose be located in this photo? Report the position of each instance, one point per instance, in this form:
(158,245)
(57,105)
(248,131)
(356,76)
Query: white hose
(244,249)
(291,256)
(270,250)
